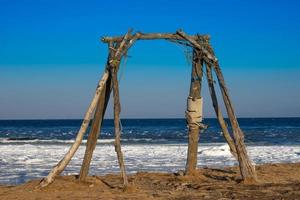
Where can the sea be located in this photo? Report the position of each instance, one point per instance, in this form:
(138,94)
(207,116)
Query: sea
(30,148)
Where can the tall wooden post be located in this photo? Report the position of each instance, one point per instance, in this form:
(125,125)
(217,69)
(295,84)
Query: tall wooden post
(247,169)
(194,128)
(218,111)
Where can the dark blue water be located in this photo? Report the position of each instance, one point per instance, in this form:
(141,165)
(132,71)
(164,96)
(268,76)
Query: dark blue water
(265,131)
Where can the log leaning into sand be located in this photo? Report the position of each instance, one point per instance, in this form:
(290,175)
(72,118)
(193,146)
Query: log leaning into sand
(218,111)
(93,136)
(117,110)
(123,47)
(97,122)
(68,156)
(247,169)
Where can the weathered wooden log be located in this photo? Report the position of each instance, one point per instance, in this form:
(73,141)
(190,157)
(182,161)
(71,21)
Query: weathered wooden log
(194,129)
(97,122)
(68,156)
(114,65)
(122,47)
(93,136)
(152,36)
(117,110)
(247,169)
(131,42)
(218,111)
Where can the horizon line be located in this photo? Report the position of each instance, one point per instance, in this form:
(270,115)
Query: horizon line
(145,118)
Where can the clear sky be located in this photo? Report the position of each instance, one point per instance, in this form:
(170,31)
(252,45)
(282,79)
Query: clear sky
(51,57)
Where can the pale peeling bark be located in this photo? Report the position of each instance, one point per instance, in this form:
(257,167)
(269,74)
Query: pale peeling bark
(194,129)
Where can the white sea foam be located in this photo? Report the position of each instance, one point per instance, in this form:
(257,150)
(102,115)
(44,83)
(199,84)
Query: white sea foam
(215,151)
(21,162)
(57,141)
(53,141)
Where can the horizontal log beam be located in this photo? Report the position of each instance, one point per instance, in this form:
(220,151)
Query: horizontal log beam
(153,36)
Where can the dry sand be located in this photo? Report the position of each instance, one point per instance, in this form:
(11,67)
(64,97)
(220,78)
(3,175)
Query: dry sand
(276,181)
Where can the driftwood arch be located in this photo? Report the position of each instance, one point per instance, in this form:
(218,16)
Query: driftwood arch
(203,57)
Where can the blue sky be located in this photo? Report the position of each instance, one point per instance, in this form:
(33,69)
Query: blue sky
(51,57)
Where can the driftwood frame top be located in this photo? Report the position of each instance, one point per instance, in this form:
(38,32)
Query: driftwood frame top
(153,36)
(203,59)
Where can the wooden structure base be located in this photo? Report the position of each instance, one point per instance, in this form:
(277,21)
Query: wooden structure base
(203,55)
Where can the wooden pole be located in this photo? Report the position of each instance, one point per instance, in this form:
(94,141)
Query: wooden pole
(68,156)
(96,124)
(93,136)
(117,110)
(247,169)
(218,111)
(114,66)
(194,129)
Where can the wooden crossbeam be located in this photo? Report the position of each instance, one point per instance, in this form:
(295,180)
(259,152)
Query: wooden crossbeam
(153,36)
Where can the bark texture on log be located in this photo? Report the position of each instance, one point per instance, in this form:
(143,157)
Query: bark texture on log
(152,36)
(218,112)
(193,129)
(125,44)
(93,136)
(68,156)
(247,169)
(117,110)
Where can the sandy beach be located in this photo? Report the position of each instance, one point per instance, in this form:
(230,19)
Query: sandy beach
(276,181)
